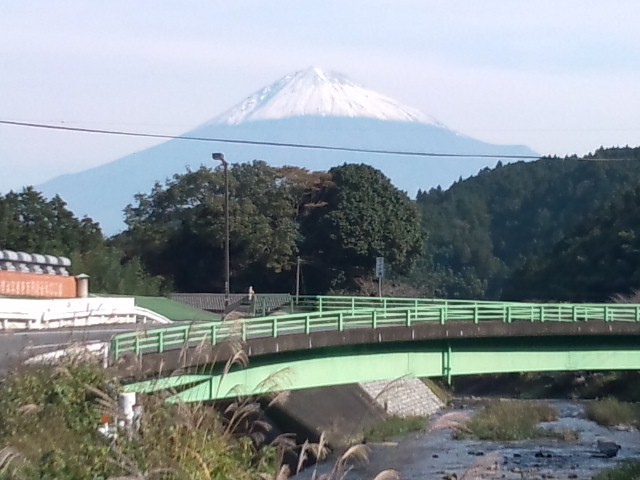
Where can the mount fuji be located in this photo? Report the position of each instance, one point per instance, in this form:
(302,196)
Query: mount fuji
(310,107)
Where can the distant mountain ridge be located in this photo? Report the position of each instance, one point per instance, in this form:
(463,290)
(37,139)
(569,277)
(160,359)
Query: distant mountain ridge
(309,107)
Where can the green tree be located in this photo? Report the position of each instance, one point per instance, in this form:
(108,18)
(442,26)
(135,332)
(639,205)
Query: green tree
(178,229)
(31,223)
(359,216)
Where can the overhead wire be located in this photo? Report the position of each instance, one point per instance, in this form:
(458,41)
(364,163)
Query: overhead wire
(265,143)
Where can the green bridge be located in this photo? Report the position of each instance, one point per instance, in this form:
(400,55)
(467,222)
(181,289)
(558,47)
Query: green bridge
(322,341)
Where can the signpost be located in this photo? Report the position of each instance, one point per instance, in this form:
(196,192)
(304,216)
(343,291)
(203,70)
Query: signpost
(379,273)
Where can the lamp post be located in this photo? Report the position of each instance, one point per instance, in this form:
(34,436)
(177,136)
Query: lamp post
(220,158)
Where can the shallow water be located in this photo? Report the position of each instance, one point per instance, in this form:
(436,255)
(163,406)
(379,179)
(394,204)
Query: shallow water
(435,455)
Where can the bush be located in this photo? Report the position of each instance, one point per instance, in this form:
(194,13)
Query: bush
(48,427)
(628,471)
(610,412)
(395,426)
(509,420)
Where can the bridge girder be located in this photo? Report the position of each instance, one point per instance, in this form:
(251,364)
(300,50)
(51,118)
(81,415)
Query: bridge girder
(338,366)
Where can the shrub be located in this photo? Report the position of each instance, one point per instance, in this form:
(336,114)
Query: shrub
(509,420)
(627,471)
(609,412)
(395,426)
(48,428)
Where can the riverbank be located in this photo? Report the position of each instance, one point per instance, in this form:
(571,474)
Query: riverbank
(435,454)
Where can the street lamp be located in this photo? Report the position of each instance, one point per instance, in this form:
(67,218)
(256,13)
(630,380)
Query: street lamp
(220,158)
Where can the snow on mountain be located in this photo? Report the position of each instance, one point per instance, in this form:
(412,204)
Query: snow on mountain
(318,93)
(307,108)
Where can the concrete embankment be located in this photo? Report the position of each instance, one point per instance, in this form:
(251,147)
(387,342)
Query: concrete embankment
(345,412)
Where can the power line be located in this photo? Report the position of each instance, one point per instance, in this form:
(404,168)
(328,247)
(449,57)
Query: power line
(264,143)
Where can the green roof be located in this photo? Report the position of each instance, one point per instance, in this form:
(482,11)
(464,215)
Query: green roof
(175,311)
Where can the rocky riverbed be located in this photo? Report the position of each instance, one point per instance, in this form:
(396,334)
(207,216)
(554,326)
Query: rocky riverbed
(434,454)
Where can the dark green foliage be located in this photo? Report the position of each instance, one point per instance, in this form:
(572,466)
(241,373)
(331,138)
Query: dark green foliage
(33,224)
(363,216)
(30,223)
(625,471)
(510,420)
(395,427)
(611,412)
(485,227)
(178,229)
(49,418)
(338,222)
(48,415)
(598,259)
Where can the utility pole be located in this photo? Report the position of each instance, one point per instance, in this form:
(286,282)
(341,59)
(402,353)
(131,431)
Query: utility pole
(220,158)
(379,273)
(298,279)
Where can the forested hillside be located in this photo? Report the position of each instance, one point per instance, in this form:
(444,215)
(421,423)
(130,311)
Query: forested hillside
(599,259)
(484,228)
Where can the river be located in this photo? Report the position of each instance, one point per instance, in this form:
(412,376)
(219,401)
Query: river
(433,454)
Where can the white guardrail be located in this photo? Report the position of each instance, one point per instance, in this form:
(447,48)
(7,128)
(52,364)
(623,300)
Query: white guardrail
(22,314)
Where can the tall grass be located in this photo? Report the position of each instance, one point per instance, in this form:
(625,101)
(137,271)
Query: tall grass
(626,471)
(508,421)
(610,412)
(395,426)
(49,418)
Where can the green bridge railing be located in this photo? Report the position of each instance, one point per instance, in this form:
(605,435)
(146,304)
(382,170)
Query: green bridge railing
(343,313)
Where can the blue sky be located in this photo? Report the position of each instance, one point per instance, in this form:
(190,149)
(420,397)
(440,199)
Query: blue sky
(560,76)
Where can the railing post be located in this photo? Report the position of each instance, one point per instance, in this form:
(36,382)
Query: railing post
(637,314)
(341,321)
(508,307)
(475,314)
(606,313)
(275,327)
(574,313)
(541,314)
(353,305)
(244,332)
(320,305)
(408,317)
(384,304)
(160,341)
(374,319)
(115,347)
(136,346)
(307,325)
(442,315)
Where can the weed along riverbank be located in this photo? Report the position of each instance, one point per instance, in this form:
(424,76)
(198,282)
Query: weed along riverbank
(506,439)
(52,419)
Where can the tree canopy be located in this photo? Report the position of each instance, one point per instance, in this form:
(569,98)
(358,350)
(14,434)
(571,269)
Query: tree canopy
(31,223)
(363,216)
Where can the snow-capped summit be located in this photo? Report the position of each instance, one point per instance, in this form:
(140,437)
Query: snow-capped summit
(313,92)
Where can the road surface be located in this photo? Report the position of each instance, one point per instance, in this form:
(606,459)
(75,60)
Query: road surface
(16,346)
